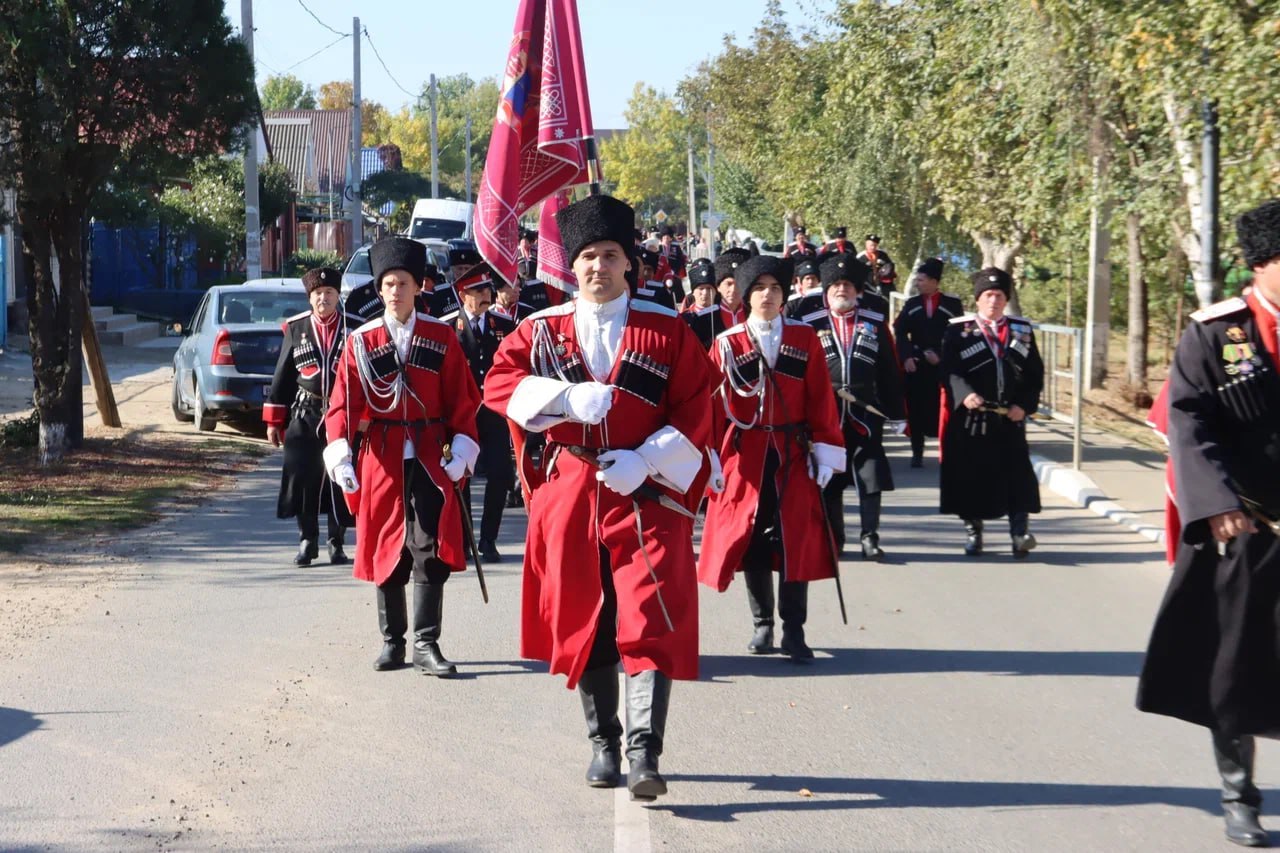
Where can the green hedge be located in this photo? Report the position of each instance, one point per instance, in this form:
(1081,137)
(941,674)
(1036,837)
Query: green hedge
(308,259)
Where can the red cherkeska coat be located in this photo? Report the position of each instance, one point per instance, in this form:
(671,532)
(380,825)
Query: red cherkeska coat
(662,378)
(443,393)
(797,391)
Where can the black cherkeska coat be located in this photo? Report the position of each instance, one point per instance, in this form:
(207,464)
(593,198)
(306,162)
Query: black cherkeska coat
(986,466)
(706,323)
(1214,654)
(297,400)
(916,333)
(438,300)
(868,370)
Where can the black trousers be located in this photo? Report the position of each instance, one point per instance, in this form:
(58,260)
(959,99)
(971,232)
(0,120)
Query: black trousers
(420,556)
(604,648)
(764,552)
(500,475)
(1018,523)
(305,490)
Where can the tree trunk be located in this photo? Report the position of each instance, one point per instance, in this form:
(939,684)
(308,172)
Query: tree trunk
(55,308)
(1188,230)
(1137,355)
(1000,254)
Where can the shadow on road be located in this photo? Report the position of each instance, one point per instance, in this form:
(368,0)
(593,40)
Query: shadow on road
(15,723)
(902,661)
(929,794)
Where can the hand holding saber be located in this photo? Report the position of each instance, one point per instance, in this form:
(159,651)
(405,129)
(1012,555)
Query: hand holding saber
(645,491)
(847,395)
(447,452)
(831,544)
(1003,411)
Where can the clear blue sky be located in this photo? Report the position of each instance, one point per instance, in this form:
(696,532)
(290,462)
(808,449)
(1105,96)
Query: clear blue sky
(624,41)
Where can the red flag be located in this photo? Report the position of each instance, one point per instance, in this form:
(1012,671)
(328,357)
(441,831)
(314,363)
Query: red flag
(537,144)
(553,261)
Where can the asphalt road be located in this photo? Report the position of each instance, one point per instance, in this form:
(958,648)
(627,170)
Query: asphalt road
(204,693)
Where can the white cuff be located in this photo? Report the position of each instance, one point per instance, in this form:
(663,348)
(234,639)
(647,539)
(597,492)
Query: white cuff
(462,446)
(532,396)
(672,458)
(831,455)
(335,453)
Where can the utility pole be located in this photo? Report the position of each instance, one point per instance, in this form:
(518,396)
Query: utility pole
(252,222)
(1208,289)
(693,199)
(711,195)
(353,187)
(435,151)
(468,167)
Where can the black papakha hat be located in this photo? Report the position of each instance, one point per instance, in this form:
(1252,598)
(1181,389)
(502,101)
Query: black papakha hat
(992,278)
(649,258)
(874,238)
(668,231)
(398,253)
(845,266)
(1259,233)
(322,277)
(799,230)
(806,267)
(751,271)
(728,262)
(932,268)
(702,272)
(596,218)
(842,232)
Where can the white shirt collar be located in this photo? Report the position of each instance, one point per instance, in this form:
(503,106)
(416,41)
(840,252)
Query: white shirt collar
(395,325)
(1266,303)
(602,310)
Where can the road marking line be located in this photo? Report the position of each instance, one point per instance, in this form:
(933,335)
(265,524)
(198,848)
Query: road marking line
(630,823)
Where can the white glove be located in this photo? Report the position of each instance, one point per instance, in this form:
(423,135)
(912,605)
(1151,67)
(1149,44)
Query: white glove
(824,475)
(345,476)
(454,469)
(623,471)
(897,427)
(588,402)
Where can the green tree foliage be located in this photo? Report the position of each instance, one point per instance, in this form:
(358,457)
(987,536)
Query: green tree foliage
(339,95)
(88,87)
(648,164)
(286,92)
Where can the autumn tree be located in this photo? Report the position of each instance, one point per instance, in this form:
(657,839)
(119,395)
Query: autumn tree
(339,95)
(86,86)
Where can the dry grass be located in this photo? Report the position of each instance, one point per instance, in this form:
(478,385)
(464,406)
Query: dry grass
(117,481)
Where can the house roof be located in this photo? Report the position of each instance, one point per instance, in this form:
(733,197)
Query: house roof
(291,146)
(331,143)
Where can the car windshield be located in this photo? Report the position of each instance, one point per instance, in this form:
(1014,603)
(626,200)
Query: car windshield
(360,264)
(261,307)
(437,229)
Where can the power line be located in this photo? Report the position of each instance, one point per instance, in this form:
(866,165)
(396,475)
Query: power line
(318,52)
(415,95)
(320,22)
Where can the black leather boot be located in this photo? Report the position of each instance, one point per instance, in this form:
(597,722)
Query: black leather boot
(648,696)
(489,551)
(337,556)
(1023,541)
(428,611)
(793,607)
(1241,799)
(308,550)
(869,516)
(760,597)
(973,540)
(598,689)
(393,622)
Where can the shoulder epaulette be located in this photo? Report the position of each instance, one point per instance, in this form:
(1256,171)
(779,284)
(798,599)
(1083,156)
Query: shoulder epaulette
(301,315)
(652,308)
(814,315)
(963,318)
(451,316)
(428,318)
(553,311)
(1220,309)
(791,321)
(710,309)
(874,315)
(732,330)
(370,324)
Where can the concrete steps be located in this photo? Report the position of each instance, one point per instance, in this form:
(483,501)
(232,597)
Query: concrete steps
(122,330)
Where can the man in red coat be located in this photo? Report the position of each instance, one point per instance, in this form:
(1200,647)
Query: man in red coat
(404,375)
(621,389)
(780,443)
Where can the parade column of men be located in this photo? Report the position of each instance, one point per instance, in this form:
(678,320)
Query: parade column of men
(1212,658)
(403,378)
(481,332)
(779,441)
(294,414)
(704,315)
(918,332)
(859,350)
(993,376)
(621,389)
(883,273)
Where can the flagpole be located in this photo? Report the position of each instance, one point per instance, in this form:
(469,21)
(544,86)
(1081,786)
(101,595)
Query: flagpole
(594,172)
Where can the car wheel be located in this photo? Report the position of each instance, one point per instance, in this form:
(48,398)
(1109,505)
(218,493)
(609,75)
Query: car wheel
(205,422)
(180,413)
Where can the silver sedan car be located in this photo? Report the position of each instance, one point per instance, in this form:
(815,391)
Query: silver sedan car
(228,354)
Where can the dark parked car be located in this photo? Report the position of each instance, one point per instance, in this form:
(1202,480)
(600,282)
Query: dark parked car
(228,354)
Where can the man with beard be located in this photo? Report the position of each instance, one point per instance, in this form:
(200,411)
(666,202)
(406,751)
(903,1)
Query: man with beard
(918,332)
(992,376)
(294,414)
(864,372)
(778,436)
(621,389)
(1212,659)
